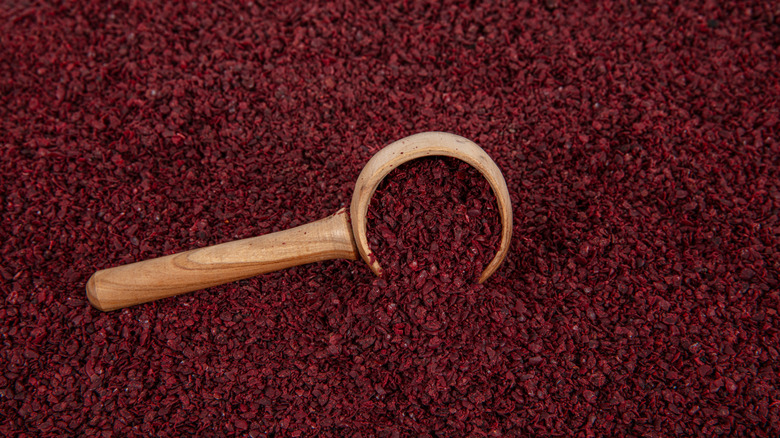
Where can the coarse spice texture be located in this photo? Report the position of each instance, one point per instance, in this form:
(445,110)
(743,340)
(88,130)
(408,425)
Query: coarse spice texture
(639,141)
(435,219)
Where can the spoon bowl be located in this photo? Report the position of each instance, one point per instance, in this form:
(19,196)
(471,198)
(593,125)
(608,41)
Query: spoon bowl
(421,145)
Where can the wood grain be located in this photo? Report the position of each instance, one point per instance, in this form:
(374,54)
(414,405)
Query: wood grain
(149,280)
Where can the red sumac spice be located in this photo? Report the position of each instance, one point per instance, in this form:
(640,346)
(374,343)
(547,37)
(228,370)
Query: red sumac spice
(433,222)
(639,141)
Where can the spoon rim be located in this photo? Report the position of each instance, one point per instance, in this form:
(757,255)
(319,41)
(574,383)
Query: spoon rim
(421,145)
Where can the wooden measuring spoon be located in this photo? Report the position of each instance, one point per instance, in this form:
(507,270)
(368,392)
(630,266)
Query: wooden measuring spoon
(335,237)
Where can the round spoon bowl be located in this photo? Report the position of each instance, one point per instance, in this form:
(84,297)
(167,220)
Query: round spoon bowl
(425,145)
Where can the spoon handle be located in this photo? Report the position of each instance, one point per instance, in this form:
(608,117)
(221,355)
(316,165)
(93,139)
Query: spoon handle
(150,280)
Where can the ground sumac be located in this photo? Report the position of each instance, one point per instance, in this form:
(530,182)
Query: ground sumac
(434,219)
(639,141)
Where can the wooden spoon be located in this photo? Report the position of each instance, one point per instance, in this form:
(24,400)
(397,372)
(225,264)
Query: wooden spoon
(331,238)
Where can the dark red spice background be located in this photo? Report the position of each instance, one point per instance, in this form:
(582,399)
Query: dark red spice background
(639,142)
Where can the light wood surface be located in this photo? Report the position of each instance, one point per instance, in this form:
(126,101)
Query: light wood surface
(331,238)
(424,145)
(149,280)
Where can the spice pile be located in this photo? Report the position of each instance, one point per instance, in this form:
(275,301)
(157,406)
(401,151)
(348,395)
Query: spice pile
(434,219)
(640,147)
